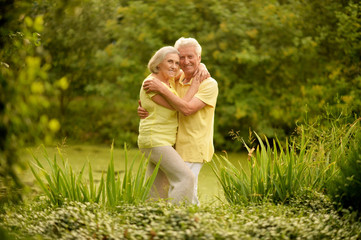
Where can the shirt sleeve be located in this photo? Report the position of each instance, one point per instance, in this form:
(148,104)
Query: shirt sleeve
(150,94)
(208,92)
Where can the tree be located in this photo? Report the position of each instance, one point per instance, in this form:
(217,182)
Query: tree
(24,88)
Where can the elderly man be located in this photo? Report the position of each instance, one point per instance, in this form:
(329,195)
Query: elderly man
(195,131)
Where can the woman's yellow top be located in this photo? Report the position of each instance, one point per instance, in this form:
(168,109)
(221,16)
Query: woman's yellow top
(160,127)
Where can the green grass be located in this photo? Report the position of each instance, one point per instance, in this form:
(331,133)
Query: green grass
(279,171)
(61,183)
(209,189)
(310,216)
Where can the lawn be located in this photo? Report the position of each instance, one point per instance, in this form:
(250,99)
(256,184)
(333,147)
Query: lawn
(310,215)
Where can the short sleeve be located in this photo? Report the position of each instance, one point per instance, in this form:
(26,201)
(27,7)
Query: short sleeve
(208,92)
(150,94)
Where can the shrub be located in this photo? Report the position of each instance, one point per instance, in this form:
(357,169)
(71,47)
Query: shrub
(345,186)
(280,171)
(275,172)
(159,220)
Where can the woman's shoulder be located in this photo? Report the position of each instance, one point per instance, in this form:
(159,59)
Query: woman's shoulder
(149,77)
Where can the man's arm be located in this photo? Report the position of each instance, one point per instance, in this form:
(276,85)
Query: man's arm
(142,112)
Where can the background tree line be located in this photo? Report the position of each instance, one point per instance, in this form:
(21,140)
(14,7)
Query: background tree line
(74,68)
(276,62)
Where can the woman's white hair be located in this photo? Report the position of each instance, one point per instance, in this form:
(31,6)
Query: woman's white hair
(189,42)
(159,56)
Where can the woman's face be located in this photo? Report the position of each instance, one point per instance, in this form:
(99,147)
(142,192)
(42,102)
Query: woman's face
(169,67)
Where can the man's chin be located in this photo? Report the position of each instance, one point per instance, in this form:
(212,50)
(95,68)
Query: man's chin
(189,72)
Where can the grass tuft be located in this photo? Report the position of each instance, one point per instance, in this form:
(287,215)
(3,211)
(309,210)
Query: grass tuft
(61,183)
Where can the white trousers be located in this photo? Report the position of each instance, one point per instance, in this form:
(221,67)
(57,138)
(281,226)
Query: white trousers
(195,168)
(174,179)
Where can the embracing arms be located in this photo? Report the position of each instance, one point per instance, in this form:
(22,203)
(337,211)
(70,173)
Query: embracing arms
(186,105)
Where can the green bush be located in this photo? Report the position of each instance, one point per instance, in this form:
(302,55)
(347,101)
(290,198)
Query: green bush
(105,120)
(345,187)
(25,91)
(276,172)
(159,220)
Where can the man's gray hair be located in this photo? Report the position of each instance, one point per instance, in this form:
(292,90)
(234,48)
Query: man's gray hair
(189,42)
(159,56)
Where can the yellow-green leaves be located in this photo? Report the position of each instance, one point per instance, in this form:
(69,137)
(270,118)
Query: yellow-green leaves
(63,83)
(54,125)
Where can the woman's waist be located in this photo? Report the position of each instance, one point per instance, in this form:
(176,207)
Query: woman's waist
(165,123)
(152,129)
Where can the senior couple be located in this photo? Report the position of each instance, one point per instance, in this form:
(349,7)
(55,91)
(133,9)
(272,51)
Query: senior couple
(177,114)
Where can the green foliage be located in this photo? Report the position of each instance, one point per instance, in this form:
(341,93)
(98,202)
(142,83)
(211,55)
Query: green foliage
(273,174)
(346,185)
(273,63)
(279,172)
(103,122)
(164,221)
(62,183)
(79,65)
(276,62)
(24,88)
(74,34)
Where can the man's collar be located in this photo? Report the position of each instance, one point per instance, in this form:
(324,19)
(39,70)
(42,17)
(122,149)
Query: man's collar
(182,78)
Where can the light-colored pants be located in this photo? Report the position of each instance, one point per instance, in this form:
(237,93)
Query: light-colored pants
(195,168)
(172,173)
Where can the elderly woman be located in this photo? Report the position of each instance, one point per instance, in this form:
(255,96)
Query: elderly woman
(157,132)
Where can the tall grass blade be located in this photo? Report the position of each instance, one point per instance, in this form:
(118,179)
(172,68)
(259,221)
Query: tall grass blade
(100,191)
(149,182)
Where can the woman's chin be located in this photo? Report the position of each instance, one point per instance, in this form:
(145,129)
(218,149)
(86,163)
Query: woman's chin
(171,75)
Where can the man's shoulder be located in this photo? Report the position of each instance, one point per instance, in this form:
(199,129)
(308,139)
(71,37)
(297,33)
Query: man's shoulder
(210,81)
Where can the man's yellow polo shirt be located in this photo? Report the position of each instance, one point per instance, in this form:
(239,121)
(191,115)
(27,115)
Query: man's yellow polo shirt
(160,127)
(195,132)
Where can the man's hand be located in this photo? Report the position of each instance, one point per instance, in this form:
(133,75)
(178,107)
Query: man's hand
(142,113)
(153,85)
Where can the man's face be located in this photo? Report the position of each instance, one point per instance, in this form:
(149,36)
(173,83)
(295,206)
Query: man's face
(189,60)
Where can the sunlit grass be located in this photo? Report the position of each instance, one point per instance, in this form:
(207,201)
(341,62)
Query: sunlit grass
(278,172)
(62,183)
(209,189)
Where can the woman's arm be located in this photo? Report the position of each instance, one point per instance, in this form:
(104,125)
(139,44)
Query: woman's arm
(186,107)
(180,72)
(193,89)
(158,99)
(202,73)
